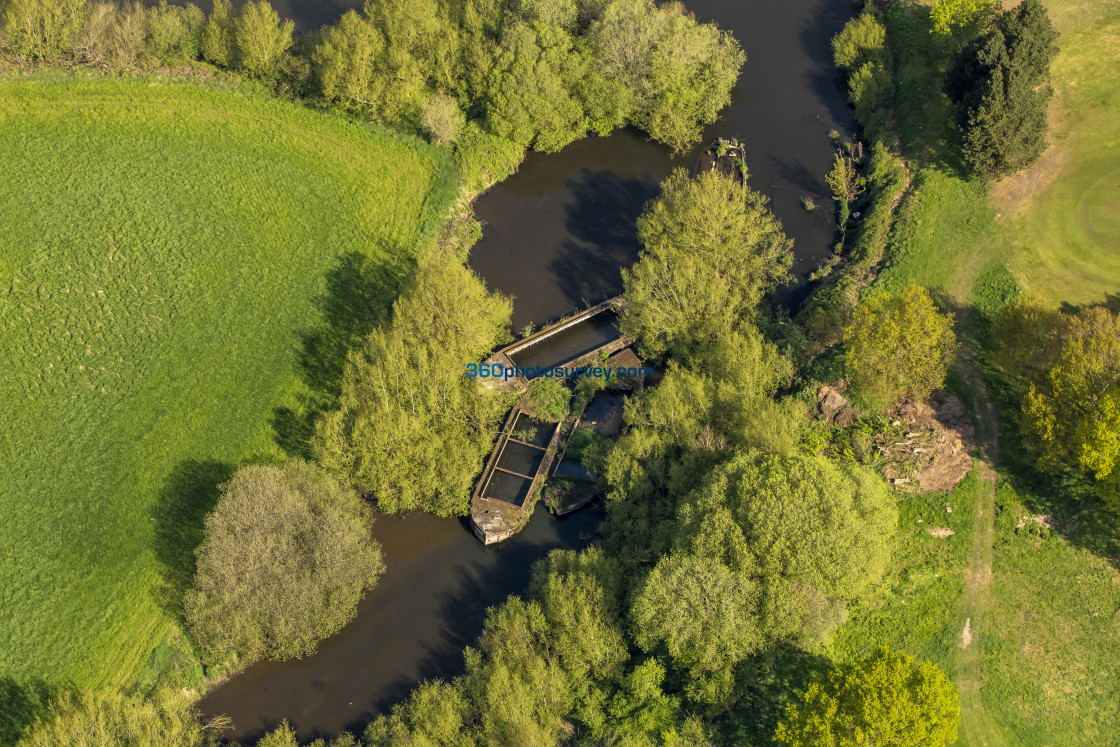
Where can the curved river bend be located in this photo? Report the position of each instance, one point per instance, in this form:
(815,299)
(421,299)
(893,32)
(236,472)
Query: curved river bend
(555,236)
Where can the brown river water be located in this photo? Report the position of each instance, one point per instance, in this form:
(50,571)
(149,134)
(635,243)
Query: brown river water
(555,236)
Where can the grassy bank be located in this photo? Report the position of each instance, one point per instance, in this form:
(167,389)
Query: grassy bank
(1047,635)
(183,268)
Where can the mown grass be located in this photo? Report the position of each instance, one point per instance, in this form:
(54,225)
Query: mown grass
(182,270)
(1063,217)
(919,609)
(1049,643)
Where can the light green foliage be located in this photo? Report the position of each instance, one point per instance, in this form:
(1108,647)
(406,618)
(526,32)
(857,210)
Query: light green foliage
(548,399)
(217,35)
(420,47)
(282,736)
(887,699)
(412,429)
(120,37)
(94,720)
(870,88)
(516,680)
(441,119)
(863,40)
(530,99)
(678,430)
(712,249)
(769,549)
(639,712)
(436,714)
(260,38)
(680,73)
(175,32)
(485,158)
(41,29)
(1072,415)
(947,15)
(344,61)
(899,345)
(286,558)
(151,330)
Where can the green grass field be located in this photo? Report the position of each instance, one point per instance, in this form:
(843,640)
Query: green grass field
(181,267)
(1048,641)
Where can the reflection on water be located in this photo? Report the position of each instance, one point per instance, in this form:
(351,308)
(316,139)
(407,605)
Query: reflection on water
(556,233)
(555,237)
(430,604)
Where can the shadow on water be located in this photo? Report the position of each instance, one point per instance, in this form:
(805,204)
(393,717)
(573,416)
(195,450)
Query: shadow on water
(602,237)
(359,294)
(188,495)
(20,703)
(431,602)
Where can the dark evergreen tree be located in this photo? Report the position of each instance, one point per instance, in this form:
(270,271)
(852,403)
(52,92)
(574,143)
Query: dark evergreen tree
(1001,87)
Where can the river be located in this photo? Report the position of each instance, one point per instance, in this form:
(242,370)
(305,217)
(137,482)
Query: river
(555,236)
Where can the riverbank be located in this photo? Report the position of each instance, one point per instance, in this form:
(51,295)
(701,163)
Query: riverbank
(1012,603)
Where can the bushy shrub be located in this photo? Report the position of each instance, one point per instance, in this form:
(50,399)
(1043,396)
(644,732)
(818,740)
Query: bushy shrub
(547,399)
(286,558)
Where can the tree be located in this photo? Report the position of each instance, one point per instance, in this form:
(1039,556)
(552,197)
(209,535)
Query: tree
(1071,414)
(345,62)
(436,714)
(949,14)
(675,74)
(712,249)
(260,38)
(175,31)
(862,40)
(441,119)
(1000,85)
(899,345)
(412,430)
(286,557)
(42,29)
(768,549)
(885,699)
(92,720)
(679,73)
(217,35)
(530,96)
(843,180)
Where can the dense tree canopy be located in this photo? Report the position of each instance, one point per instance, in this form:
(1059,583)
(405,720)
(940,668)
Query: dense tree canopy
(769,549)
(1001,86)
(1071,414)
(899,345)
(41,29)
(286,558)
(712,249)
(110,718)
(885,699)
(261,37)
(412,429)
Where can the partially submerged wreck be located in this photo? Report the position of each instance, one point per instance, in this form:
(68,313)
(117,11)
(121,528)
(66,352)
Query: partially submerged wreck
(529,450)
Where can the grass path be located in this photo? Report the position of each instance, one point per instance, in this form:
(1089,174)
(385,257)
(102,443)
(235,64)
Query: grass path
(977,726)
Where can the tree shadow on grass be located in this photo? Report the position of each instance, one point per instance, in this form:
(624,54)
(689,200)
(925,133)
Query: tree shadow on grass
(769,681)
(359,295)
(20,703)
(188,495)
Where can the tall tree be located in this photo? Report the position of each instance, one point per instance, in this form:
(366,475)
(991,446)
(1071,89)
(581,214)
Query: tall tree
(1001,86)
(345,63)
(217,35)
(676,74)
(286,558)
(899,345)
(885,699)
(42,29)
(260,38)
(769,549)
(712,249)
(1071,414)
(412,429)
